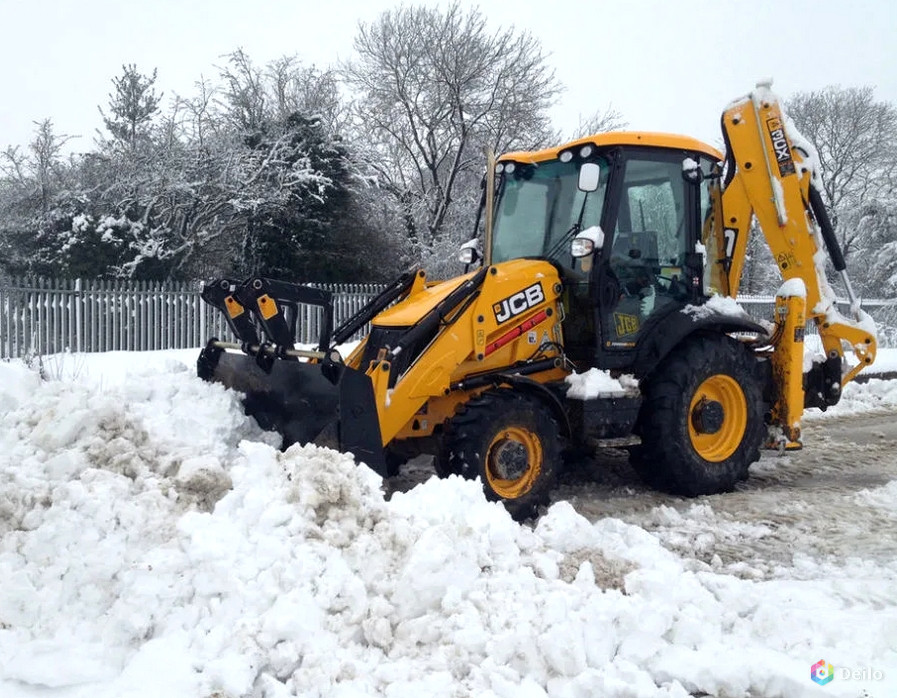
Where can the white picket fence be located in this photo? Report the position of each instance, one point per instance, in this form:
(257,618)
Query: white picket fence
(49,316)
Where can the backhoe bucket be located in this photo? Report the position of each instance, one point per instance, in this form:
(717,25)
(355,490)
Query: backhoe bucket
(298,400)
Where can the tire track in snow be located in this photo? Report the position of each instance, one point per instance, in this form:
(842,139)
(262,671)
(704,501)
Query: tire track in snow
(828,503)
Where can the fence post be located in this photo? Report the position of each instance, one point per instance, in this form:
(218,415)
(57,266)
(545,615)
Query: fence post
(78,315)
(203,335)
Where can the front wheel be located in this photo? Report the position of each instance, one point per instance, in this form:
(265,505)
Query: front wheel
(511,442)
(701,422)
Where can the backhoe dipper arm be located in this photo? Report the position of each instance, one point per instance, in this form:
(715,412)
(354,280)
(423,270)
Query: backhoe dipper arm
(771,174)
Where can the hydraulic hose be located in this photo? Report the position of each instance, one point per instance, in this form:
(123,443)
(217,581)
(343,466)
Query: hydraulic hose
(828,232)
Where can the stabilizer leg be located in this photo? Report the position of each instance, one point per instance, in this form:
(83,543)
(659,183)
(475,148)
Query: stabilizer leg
(787,369)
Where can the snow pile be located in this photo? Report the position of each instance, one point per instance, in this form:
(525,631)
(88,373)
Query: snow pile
(153,544)
(597,383)
(793,288)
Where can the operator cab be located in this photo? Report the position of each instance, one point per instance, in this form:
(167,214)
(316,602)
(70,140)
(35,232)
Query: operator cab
(638,200)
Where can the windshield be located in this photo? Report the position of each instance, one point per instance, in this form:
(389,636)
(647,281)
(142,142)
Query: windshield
(538,210)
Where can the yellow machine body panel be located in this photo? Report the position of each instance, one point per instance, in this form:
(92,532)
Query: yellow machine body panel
(514,316)
(646,138)
(409,311)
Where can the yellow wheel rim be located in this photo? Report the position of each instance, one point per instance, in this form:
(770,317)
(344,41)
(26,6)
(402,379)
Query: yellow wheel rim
(718,442)
(513,462)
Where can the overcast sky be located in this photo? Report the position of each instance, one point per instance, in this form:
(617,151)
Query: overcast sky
(665,65)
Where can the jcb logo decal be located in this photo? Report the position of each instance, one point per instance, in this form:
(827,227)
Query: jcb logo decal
(625,324)
(780,145)
(519,302)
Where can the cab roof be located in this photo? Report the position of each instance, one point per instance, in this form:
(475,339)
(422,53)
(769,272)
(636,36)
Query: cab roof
(644,138)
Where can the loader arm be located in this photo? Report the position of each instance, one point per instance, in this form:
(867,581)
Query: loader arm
(771,175)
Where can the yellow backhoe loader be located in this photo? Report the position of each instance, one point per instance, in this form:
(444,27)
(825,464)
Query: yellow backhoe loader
(615,256)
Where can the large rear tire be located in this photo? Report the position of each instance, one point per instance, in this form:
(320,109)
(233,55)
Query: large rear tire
(512,443)
(701,421)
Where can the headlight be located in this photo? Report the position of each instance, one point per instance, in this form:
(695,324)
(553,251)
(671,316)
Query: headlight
(582,247)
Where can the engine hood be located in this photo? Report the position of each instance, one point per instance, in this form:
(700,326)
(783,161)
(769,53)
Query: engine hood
(409,311)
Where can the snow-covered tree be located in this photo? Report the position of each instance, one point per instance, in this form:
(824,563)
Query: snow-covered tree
(294,178)
(247,175)
(760,275)
(36,190)
(875,224)
(133,103)
(856,137)
(253,96)
(433,87)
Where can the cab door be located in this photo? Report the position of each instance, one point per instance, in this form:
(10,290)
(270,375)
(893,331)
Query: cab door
(644,273)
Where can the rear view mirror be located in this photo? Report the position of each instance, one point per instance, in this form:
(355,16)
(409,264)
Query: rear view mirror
(589,176)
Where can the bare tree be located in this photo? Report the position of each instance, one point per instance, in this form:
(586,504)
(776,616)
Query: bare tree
(856,137)
(46,158)
(600,121)
(298,88)
(243,100)
(40,170)
(254,96)
(433,87)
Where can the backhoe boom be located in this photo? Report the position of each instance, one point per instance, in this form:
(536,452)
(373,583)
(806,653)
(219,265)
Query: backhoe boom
(771,174)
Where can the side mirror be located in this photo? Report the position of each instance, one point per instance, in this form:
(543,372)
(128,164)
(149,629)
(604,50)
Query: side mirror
(589,176)
(469,254)
(587,242)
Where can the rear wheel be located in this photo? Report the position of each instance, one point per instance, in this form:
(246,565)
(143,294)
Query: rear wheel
(511,442)
(701,422)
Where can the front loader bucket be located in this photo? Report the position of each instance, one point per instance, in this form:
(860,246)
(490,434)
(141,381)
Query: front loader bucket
(297,400)
(294,399)
(323,401)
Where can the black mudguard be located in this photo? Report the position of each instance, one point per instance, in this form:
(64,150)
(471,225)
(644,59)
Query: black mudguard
(297,400)
(673,328)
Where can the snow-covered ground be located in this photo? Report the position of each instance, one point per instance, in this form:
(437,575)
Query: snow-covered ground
(153,542)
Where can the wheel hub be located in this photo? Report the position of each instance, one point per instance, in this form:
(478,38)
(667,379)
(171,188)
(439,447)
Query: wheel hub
(708,416)
(510,459)
(717,417)
(513,461)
